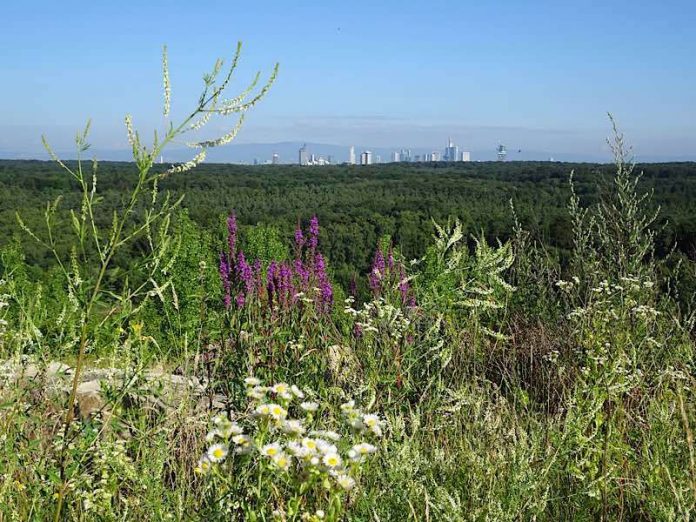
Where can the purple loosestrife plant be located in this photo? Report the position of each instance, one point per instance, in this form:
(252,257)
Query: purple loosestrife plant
(313,234)
(325,289)
(225,279)
(245,274)
(286,285)
(390,273)
(283,281)
(302,273)
(377,272)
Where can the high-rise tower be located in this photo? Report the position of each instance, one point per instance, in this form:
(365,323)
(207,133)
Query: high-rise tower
(452,151)
(304,155)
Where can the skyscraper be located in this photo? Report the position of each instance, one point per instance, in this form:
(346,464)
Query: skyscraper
(366,158)
(304,155)
(351,155)
(452,151)
(276,159)
(465,156)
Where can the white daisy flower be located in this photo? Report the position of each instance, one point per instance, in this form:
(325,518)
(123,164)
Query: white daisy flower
(326,447)
(242,440)
(373,423)
(277,411)
(309,406)
(203,466)
(271,450)
(252,381)
(297,449)
(210,436)
(365,448)
(332,460)
(282,460)
(217,452)
(346,482)
(293,427)
(361,450)
(310,444)
(297,392)
(229,429)
(281,389)
(263,409)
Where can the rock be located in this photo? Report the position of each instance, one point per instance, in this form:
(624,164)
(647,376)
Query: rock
(89,399)
(155,388)
(58,369)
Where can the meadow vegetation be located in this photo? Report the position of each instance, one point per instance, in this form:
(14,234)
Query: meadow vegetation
(481,379)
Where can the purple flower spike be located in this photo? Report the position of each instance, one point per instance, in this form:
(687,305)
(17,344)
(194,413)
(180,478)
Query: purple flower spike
(299,238)
(313,233)
(325,288)
(390,258)
(244,273)
(377,272)
(302,273)
(225,278)
(285,288)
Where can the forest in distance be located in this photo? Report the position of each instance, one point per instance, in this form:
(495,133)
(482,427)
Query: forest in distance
(359,205)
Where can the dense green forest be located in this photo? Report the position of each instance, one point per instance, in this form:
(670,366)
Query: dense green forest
(358,205)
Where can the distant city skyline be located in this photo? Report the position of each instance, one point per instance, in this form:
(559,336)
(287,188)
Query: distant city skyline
(537,76)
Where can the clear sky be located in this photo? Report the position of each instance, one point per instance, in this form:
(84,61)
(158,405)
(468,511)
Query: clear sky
(538,75)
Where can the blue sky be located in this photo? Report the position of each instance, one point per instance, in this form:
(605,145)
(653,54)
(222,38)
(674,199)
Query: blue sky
(535,75)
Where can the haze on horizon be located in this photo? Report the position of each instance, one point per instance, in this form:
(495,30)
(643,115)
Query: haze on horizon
(535,75)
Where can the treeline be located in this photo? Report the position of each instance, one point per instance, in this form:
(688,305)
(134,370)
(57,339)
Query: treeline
(357,206)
